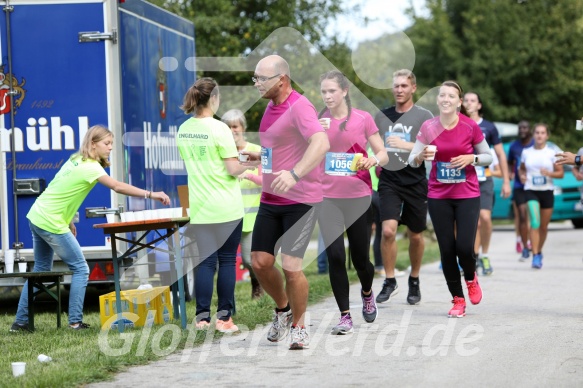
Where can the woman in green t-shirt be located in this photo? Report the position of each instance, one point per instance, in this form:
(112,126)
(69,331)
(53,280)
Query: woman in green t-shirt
(50,219)
(215,203)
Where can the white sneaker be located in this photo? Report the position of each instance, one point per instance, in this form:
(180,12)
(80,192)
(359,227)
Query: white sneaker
(299,338)
(280,326)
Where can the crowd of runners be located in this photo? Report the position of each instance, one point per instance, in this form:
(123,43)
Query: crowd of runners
(315,167)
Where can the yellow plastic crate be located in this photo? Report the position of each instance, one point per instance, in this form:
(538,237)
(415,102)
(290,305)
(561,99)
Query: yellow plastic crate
(163,304)
(139,302)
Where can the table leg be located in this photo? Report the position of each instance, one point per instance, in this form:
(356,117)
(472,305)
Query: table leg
(31,304)
(120,320)
(175,238)
(58,302)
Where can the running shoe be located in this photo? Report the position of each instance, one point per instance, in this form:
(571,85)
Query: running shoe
(474,290)
(280,326)
(389,289)
(399,273)
(486,266)
(344,326)
(414,295)
(226,326)
(19,327)
(518,247)
(537,261)
(525,255)
(459,308)
(202,325)
(79,326)
(369,307)
(299,338)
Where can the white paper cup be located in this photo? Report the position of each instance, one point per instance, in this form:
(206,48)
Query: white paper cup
(130,216)
(139,216)
(9,261)
(188,212)
(110,218)
(22,266)
(243,158)
(176,212)
(44,358)
(433,148)
(325,122)
(578,125)
(149,214)
(18,368)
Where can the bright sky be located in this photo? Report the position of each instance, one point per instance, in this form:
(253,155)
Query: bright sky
(388,15)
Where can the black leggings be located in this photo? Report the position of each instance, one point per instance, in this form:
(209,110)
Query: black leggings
(336,215)
(455,222)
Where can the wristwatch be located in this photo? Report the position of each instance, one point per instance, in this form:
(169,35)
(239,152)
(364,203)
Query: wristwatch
(475,160)
(578,160)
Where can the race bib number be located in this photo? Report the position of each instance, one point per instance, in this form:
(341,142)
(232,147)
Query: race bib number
(447,174)
(539,180)
(481,173)
(266,160)
(404,136)
(340,164)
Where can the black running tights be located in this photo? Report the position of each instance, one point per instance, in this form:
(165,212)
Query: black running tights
(336,215)
(455,222)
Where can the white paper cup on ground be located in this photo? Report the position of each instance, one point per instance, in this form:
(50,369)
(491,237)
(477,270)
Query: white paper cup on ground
(22,266)
(9,261)
(433,148)
(18,368)
(44,358)
(579,125)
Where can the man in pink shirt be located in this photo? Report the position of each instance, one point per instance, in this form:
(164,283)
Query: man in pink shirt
(293,145)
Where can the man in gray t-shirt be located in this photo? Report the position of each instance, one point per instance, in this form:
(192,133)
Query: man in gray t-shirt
(402,189)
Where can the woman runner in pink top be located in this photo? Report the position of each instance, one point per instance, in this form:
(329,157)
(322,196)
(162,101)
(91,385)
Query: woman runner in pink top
(453,189)
(347,190)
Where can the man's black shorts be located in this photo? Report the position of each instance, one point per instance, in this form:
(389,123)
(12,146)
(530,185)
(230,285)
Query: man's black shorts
(406,204)
(518,196)
(288,227)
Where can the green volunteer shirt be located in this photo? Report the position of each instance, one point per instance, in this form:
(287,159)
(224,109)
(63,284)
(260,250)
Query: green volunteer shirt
(214,195)
(54,209)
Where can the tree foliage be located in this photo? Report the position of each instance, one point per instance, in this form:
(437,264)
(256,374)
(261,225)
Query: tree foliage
(524,58)
(236,28)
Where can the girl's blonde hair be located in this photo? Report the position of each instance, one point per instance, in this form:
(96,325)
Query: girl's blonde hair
(95,134)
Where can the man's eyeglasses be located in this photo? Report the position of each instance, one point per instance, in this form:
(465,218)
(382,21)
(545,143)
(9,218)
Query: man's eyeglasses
(263,79)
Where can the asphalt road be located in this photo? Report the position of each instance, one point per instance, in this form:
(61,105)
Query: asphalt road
(526,332)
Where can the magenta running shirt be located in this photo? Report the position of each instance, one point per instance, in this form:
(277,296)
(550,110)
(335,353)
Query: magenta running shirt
(284,132)
(459,140)
(353,139)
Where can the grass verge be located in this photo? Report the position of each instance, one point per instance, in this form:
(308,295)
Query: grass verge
(81,357)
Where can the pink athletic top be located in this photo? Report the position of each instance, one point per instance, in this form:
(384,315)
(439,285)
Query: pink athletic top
(352,139)
(459,140)
(285,130)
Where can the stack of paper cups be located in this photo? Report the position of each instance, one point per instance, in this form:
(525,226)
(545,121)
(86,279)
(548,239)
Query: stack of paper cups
(9,261)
